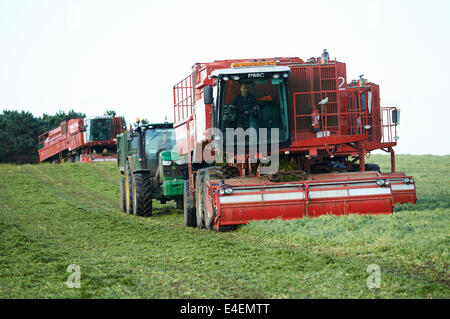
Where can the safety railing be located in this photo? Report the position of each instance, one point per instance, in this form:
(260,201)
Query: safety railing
(387,127)
(183,99)
(345,123)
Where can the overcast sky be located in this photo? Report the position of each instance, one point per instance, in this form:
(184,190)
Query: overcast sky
(96,55)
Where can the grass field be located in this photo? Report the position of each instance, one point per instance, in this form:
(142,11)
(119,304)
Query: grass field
(52,216)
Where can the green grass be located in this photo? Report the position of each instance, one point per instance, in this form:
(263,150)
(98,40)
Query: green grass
(52,216)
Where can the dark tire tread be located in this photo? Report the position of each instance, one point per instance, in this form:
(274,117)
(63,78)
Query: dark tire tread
(190,218)
(122,203)
(143,188)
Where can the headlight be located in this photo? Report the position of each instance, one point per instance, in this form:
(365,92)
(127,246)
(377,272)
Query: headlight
(382,182)
(221,191)
(180,162)
(406,180)
(367,127)
(228,190)
(167,163)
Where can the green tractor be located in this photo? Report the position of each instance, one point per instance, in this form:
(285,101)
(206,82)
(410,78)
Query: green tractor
(150,168)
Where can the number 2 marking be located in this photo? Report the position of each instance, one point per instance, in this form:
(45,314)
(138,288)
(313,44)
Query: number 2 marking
(342,83)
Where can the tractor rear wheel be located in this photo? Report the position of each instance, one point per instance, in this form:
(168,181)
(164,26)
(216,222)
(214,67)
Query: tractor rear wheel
(128,190)
(190,219)
(142,195)
(123,204)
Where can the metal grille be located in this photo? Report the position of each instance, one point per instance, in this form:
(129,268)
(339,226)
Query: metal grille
(310,84)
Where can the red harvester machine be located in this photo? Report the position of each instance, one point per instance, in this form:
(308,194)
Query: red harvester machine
(326,126)
(81,140)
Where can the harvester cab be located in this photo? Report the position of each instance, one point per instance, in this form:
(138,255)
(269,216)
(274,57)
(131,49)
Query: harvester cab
(97,129)
(151,168)
(251,95)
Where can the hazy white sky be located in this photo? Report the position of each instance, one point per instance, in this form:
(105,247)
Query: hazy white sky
(96,55)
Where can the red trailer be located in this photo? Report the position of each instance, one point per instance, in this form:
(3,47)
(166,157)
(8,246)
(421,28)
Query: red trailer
(81,140)
(326,127)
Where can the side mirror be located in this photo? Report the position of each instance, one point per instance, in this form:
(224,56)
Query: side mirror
(396,116)
(208,95)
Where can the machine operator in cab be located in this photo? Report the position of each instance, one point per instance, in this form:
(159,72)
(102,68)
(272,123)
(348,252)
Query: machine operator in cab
(165,143)
(246,108)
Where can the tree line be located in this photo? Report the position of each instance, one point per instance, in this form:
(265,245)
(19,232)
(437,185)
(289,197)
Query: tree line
(19,133)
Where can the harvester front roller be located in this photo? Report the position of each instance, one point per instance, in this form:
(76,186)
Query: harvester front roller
(238,201)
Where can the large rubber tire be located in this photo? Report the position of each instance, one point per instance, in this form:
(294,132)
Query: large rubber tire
(210,173)
(372,168)
(179,203)
(321,168)
(367,168)
(142,195)
(199,197)
(190,219)
(123,204)
(128,190)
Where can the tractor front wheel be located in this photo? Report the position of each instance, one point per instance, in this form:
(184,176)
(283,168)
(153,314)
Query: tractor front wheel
(142,195)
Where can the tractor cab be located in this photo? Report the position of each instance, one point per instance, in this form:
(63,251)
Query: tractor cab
(158,140)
